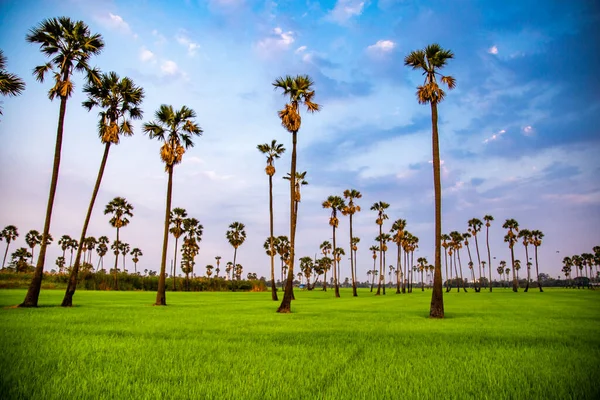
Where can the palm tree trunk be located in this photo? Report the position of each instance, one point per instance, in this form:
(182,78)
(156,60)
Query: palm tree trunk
(449,281)
(72,285)
(384,272)
(461,272)
(285,306)
(537,271)
(515,279)
(354,294)
(116,261)
(478,259)
(33,293)
(446,265)
(404,275)
(5,253)
(422,282)
(398,269)
(487,240)
(161,295)
(380,260)
(335,269)
(175,262)
(273,287)
(528,270)
(32,255)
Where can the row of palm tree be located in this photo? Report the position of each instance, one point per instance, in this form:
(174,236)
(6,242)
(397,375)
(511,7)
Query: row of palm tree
(584,266)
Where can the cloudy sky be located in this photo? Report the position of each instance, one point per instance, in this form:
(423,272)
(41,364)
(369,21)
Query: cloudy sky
(519,134)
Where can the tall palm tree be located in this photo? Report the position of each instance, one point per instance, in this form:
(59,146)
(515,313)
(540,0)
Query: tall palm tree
(236,235)
(500,270)
(566,269)
(176,218)
(102,249)
(70,45)
(136,253)
(384,238)
(325,248)
(90,243)
(272,151)
(10,84)
(445,239)
(193,230)
(380,208)
(422,261)
(430,60)
(457,240)
(124,249)
(299,90)
(354,248)
(475,226)
(172,128)
(350,210)
(9,233)
(397,232)
(525,234)
(33,238)
(119,101)
(282,245)
(466,237)
(19,259)
(300,181)
(120,210)
(72,246)
(335,203)
(511,238)
(488,219)
(536,240)
(375,250)
(65,242)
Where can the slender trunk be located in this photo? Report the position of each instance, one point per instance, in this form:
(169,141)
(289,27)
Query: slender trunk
(5,253)
(478,258)
(72,285)
(412,260)
(135,268)
(273,287)
(32,255)
(335,264)
(175,261)
(456,273)
(352,261)
(373,275)
(398,269)
(537,271)
(487,240)
(380,260)
(355,269)
(472,269)
(404,275)
(461,273)
(515,279)
(422,282)
(528,270)
(384,272)
(33,293)
(285,306)
(446,265)
(116,259)
(325,281)
(161,294)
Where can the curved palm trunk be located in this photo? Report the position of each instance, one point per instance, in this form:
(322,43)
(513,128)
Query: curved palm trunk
(437,296)
(335,269)
(352,262)
(5,253)
(528,270)
(273,287)
(398,269)
(116,261)
(537,271)
(515,279)
(72,285)
(33,293)
(478,261)
(174,264)
(285,306)
(161,295)
(487,240)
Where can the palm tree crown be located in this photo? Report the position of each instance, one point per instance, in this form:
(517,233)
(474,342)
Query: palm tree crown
(120,209)
(272,151)
(300,91)
(429,60)
(10,84)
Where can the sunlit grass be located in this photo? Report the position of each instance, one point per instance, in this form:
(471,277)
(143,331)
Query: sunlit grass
(234,345)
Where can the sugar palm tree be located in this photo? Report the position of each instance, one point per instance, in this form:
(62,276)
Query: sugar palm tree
(500,270)
(336,204)
(272,151)
(102,249)
(33,238)
(236,235)
(422,262)
(429,61)
(124,249)
(338,252)
(375,250)
(354,248)
(60,263)
(10,84)
(511,238)
(119,101)
(299,90)
(350,210)
(136,253)
(72,246)
(282,245)
(209,269)
(176,218)
(175,129)
(466,237)
(70,45)
(19,259)
(120,210)
(488,219)
(64,242)
(384,238)
(90,244)
(566,269)
(380,208)
(475,226)
(218,260)
(397,232)
(300,181)
(325,248)
(536,240)
(525,234)
(9,233)
(445,239)
(457,240)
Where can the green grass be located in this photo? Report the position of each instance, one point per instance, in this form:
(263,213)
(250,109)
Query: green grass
(115,345)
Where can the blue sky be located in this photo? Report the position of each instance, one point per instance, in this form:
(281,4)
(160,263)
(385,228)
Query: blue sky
(519,134)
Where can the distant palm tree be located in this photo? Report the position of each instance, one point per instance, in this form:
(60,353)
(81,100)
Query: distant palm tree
(380,208)
(172,128)
(445,239)
(9,233)
(475,226)
(102,249)
(566,269)
(500,270)
(119,101)
(351,209)
(124,249)
(336,204)
(72,246)
(375,250)
(466,237)
(120,210)
(422,261)
(90,243)
(326,249)
(136,253)
(218,260)
(209,269)
(536,240)
(457,239)
(397,232)
(384,238)
(306,266)
(33,238)
(511,238)
(176,221)
(282,245)
(300,91)
(488,219)
(354,248)
(10,84)
(19,259)
(236,235)
(430,60)
(272,151)
(60,263)
(338,252)
(525,234)
(70,46)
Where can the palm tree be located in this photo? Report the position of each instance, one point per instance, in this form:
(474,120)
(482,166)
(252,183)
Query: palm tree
(351,209)
(236,235)
(375,250)
(566,269)
(19,259)
(300,181)
(72,246)
(429,61)
(326,250)
(136,253)
(172,128)
(306,266)
(525,234)
(218,260)
(119,101)
(124,249)
(475,226)
(272,151)
(33,238)
(300,91)
(90,244)
(60,263)
(384,238)
(335,203)
(10,84)
(102,249)
(397,232)
(517,268)
(445,239)
(466,237)
(65,242)
(282,245)
(457,239)
(9,233)
(209,269)
(422,261)
(120,210)
(500,270)
(354,248)
(380,207)
(70,46)
(511,238)
(488,219)
(536,240)
(176,218)
(338,252)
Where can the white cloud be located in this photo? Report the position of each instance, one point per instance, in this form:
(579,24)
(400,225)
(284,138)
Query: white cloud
(169,67)
(115,22)
(185,41)
(344,10)
(146,55)
(528,130)
(382,46)
(300,49)
(493,50)
(278,40)
(495,136)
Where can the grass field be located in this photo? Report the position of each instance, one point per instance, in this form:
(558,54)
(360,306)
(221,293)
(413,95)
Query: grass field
(115,345)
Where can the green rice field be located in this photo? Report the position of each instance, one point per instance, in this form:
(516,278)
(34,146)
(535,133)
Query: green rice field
(208,345)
